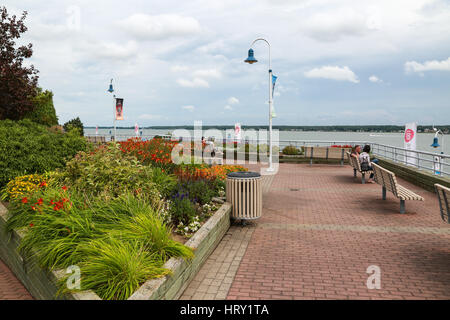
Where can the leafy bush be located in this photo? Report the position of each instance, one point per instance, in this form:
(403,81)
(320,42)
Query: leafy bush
(74,124)
(27,147)
(115,269)
(290,150)
(107,172)
(182,209)
(44,111)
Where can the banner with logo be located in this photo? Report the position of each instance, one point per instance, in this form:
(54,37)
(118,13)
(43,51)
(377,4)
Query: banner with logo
(410,143)
(119,109)
(237,131)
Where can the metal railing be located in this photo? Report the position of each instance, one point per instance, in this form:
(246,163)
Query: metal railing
(436,163)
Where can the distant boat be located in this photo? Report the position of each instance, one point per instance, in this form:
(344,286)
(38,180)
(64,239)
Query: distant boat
(375,135)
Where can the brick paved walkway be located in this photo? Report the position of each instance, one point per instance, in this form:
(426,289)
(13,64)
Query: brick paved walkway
(10,287)
(320,231)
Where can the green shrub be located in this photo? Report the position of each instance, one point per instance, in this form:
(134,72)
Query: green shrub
(27,147)
(290,150)
(108,172)
(182,209)
(115,269)
(44,112)
(165,182)
(74,124)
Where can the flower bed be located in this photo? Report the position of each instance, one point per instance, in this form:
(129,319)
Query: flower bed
(111,212)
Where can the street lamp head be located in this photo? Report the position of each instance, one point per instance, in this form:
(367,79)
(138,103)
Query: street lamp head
(251,59)
(435,143)
(111,90)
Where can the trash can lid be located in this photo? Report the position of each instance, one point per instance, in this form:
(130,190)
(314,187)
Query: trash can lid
(243,174)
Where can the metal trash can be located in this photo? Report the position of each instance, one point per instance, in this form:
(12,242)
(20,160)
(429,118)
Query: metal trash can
(244,192)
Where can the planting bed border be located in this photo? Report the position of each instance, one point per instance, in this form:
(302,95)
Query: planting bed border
(42,284)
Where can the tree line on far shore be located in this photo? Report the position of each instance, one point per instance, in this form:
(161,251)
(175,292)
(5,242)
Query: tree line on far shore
(337,128)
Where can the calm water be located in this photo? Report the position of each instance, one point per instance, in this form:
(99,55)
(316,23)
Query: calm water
(424,140)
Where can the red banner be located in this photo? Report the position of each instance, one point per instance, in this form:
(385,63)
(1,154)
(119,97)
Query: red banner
(119,109)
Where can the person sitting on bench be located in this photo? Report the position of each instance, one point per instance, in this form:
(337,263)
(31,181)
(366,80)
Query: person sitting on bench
(364,159)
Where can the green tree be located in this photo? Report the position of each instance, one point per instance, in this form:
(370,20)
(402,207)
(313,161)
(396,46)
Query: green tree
(44,110)
(74,124)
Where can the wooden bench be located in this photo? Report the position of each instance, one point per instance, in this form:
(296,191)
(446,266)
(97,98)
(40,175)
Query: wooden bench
(444,197)
(388,181)
(325,153)
(96,139)
(356,165)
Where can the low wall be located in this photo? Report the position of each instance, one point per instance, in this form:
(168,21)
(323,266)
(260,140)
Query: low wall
(42,284)
(421,178)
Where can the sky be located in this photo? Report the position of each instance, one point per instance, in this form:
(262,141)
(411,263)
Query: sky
(174,62)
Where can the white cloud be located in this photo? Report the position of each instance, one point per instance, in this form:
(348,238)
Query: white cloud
(433,65)
(188,108)
(233,100)
(333,73)
(178,68)
(144,26)
(195,83)
(375,79)
(207,73)
(332,25)
(111,50)
(228,107)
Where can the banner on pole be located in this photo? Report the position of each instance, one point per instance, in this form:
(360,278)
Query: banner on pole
(272,112)
(237,131)
(410,143)
(119,109)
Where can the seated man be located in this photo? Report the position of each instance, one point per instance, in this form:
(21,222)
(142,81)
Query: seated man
(364,159)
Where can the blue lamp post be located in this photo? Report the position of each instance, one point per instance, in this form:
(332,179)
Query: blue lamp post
(435,144)
(251,59)
(111,90)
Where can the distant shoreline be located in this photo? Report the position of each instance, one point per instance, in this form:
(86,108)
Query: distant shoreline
(368,128)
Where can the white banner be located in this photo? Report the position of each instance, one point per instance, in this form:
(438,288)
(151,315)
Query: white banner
(410,143)
(237,131)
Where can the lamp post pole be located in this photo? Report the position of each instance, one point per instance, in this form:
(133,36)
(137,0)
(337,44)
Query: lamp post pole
(111,90)
(251,60)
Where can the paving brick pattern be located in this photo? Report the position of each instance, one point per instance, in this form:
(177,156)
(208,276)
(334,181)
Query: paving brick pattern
(321,230)
(10,287)
(214,279)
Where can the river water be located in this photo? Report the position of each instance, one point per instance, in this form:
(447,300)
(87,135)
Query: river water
(424,140)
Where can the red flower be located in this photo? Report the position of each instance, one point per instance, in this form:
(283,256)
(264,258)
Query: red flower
(43,184)
(64,188)
(40,201)
(31,225)
(25,200)
(34,208)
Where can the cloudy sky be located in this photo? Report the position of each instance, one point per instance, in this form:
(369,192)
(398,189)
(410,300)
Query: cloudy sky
(337,62)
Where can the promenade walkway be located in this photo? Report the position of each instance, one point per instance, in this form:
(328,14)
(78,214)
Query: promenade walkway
(320,231)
